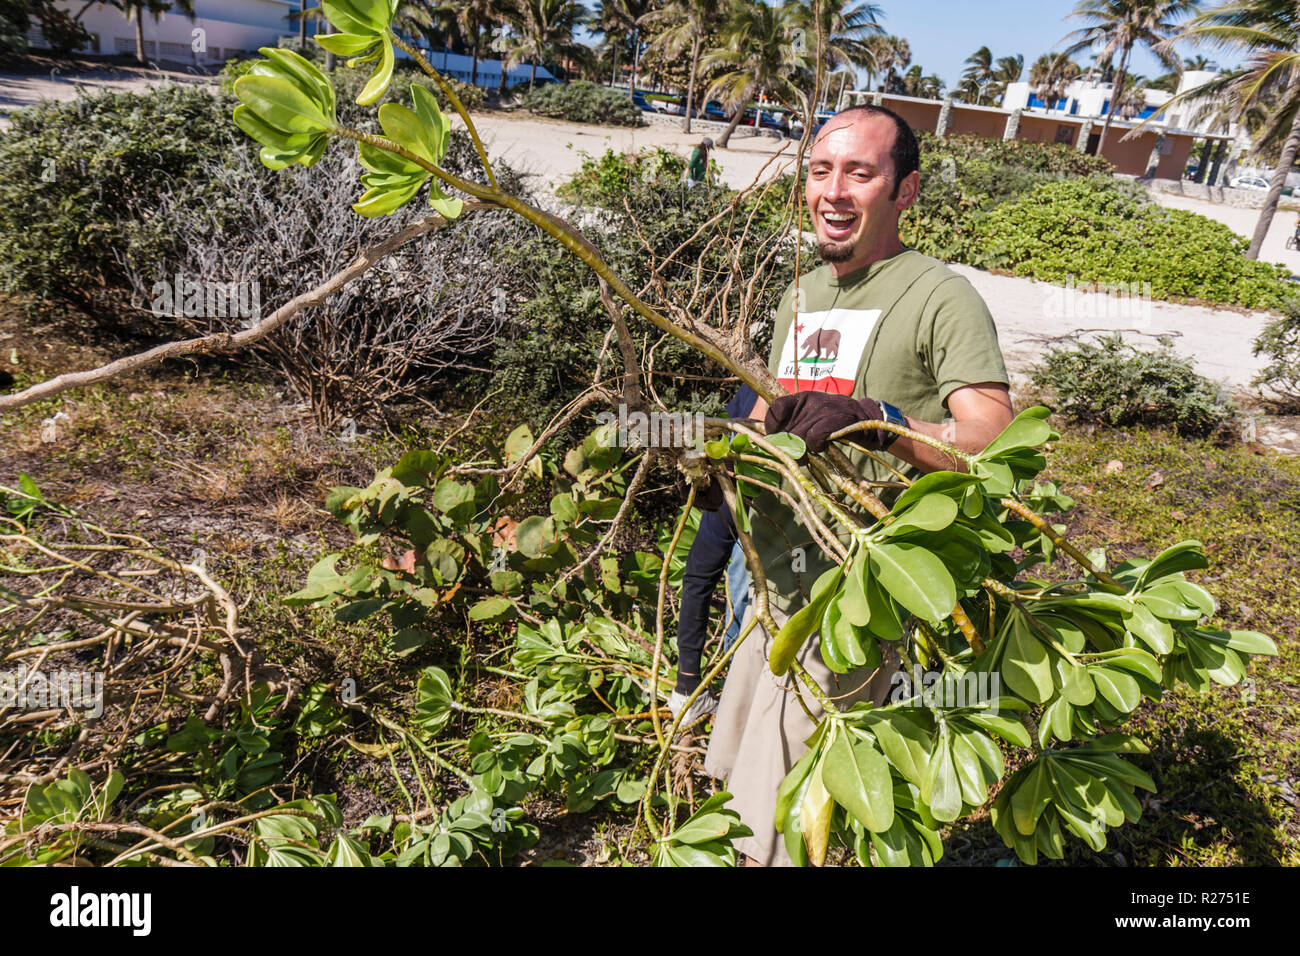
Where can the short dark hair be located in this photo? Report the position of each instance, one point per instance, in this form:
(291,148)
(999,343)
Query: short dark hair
(905,153)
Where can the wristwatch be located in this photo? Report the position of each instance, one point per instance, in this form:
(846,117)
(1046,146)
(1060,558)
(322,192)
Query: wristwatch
(894,417)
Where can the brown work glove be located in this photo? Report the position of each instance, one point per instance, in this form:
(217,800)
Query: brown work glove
(815,416)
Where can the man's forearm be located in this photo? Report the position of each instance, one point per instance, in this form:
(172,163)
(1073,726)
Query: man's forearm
(970,437)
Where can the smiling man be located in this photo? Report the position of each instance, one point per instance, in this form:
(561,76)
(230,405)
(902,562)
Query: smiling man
(876,320)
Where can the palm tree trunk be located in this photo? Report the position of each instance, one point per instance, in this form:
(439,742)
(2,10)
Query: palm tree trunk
(690,86)
(735,120)
(532,77)
(302,25)
(1115,93)
(139,36)
(1275,190)
(636,56)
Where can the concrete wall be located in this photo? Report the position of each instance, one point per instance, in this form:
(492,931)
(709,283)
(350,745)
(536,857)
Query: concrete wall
(918,115)
(977,122)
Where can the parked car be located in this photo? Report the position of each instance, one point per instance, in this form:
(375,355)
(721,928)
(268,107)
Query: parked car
(1250,182)
(714,110)
(677,108)
(641,102)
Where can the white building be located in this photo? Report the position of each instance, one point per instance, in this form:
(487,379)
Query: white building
(219,31)
(1091,98)
(229,29)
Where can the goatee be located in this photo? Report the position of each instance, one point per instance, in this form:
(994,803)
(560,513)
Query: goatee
(835,251)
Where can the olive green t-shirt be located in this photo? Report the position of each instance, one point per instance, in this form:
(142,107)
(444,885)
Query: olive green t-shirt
(905,330)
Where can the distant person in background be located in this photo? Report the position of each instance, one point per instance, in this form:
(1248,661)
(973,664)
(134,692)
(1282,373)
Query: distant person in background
(697,170)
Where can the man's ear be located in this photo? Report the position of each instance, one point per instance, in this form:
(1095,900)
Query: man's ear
(908,190)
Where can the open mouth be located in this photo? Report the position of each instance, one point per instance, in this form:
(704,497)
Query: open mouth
(838,225)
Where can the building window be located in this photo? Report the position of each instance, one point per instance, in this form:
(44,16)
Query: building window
(1064,133)
(127,45)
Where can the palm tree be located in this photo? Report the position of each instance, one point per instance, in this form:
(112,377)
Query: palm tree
(898,54)
(473,20)
(1116,26)
(1050,75)
(1267,32)
(760,53)
(544,28)
(1009,70)
(978,74)
(134,11)
(687,25)
(915,83)
(620,22)
(1130,99)
(850,34)
(1198,63)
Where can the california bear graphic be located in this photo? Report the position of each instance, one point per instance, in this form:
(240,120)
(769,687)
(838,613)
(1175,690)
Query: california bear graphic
(825,342)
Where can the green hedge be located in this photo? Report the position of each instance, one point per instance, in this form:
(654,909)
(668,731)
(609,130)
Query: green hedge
(1100,230)
(583,102)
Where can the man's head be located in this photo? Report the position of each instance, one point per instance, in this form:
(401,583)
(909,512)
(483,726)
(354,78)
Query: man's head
(862,174)
(706,144)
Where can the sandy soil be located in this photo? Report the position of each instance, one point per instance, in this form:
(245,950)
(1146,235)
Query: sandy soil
(23,89)
(1242,222)
(553,150)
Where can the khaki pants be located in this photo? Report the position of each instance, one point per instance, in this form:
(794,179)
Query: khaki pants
(760,729)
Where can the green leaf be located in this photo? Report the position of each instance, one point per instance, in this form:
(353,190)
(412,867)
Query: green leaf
(915,578)
(1027,430)
(1030,798)
(931,513)
(1025,665)
(1119,689)
(492,609)
(791,444)
(857,776)
(1007,728)
(800,626)
(1183,556)
(905,742)
(1247,642)
(954,484)
(943,786)
(379,80)
(280,104)
(358,16)
(346,44)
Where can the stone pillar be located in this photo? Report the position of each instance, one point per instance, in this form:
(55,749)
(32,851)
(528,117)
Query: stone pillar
(1085,131)
(878,98)
(945,115)
(1153,161)
(1013,125)
(1218,161)
(1203,166)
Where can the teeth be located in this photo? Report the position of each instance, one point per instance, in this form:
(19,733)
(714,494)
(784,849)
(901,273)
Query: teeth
(839,216)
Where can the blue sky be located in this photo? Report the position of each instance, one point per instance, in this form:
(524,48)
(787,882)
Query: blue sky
(943,33)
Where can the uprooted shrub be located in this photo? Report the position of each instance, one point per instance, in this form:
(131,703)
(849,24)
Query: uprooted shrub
(1116,384)
(437,304)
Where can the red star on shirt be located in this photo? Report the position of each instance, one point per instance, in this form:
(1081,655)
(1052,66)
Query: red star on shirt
(798,327)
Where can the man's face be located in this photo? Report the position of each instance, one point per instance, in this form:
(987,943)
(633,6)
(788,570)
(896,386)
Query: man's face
(850,178)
